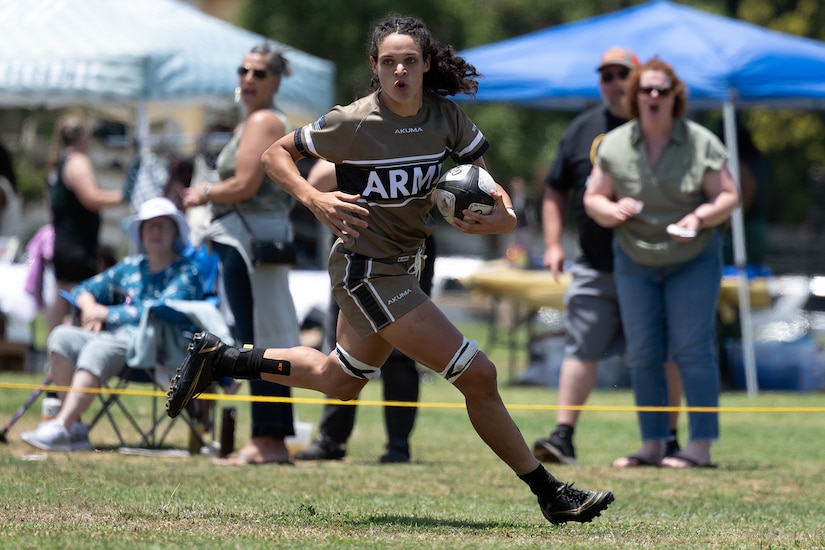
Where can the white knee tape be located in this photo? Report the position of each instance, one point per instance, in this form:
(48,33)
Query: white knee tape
(460,361)
(354,367)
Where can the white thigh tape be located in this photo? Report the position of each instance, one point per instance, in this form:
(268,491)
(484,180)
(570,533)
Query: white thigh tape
(460,361)
(354,367)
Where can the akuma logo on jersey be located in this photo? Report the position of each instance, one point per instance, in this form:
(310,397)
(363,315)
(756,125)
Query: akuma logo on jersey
(410,130)
(401,182)
(394,299)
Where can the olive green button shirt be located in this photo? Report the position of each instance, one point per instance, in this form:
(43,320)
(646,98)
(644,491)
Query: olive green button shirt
(670,190)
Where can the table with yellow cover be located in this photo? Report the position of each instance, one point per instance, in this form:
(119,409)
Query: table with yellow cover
(533,289)
(537,288)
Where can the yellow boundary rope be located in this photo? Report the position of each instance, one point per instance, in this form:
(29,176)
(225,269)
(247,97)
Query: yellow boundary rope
(420,405)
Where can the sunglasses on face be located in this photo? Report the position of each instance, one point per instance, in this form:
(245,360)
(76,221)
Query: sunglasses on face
(259,74)
(608,77)
(663,92)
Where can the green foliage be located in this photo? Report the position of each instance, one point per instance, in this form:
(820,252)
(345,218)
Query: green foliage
(509,155)
(791,139)
(31,181)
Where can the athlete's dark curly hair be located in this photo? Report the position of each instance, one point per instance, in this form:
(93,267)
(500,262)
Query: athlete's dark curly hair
(448,74)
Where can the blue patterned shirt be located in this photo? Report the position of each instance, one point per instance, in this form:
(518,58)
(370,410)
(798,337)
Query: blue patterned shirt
(128,287)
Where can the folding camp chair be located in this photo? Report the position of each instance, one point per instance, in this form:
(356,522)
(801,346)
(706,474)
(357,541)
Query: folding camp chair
(153,428)
(198,417)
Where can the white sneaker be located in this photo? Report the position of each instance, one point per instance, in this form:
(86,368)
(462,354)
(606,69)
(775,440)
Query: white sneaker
(53,436)
(79,437)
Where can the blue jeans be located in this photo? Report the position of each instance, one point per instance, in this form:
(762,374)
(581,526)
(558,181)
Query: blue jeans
(670,311)
(268,418)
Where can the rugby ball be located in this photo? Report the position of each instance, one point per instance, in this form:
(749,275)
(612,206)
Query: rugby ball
(465,187)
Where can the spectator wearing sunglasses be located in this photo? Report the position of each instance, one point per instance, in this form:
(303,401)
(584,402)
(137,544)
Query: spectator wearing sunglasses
(667,255)
(246,201)
(592,323)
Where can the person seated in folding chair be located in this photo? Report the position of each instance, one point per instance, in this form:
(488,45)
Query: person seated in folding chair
(111,306)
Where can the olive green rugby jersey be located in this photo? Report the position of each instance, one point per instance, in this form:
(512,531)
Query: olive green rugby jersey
(394,163)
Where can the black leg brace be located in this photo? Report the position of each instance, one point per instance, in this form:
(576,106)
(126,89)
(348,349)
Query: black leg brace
(248,364)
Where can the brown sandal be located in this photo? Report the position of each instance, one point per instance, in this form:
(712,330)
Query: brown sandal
(633,461)
(682,462)
(240,458)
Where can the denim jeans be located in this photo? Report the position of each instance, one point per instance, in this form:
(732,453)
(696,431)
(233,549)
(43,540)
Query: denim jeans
(670,312)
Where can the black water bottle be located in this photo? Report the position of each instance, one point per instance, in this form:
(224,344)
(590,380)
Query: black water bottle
(227,431)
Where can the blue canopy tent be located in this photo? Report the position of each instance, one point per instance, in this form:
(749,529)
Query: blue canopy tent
(725,63)
(102,52)
(720,59)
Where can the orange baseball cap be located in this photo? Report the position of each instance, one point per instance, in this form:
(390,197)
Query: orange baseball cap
(618,56)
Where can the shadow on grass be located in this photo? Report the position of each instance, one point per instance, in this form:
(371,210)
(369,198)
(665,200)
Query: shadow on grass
(419,522)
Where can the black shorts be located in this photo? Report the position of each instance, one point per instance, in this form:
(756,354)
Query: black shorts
(73,263)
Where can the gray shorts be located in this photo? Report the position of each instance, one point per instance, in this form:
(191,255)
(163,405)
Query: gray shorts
(591,315)
(100,353)
(370,293)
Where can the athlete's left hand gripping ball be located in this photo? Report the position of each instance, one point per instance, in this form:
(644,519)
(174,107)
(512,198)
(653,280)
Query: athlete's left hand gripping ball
(465,187)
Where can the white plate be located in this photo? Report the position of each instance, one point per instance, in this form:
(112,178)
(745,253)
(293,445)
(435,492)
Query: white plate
(677,231)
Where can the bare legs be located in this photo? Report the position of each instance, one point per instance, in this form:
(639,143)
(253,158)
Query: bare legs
(75,403)
(576,381)
(59,310)
(490,418)
(426,323)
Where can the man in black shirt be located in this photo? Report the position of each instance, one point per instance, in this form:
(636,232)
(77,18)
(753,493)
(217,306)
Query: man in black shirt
(592,320)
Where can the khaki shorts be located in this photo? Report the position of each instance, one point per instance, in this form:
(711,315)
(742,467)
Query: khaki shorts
(101,353)
(591,315)
(371,293)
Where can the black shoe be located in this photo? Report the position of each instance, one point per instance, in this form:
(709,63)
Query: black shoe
(555,449)
(672,448)
(394,457)
(321,449)
(571,504)
(195,373)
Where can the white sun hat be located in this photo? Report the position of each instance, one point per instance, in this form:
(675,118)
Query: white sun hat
(156,208)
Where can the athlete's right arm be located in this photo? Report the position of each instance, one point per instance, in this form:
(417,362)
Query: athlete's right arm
(337,210)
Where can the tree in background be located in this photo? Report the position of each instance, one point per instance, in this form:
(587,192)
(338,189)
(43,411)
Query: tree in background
(793,140)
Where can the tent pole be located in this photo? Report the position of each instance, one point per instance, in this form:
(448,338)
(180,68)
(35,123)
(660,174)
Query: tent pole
(142,130)
(740,259)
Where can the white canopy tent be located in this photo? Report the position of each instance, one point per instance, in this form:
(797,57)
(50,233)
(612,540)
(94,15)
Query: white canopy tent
(120,53)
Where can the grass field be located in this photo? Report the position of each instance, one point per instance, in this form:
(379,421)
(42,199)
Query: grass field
(767,491)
